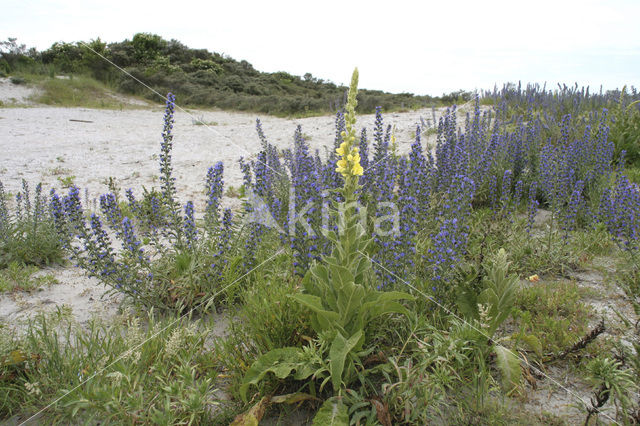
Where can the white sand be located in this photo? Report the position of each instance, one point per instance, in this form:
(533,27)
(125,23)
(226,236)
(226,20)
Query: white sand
(41,144)
(15,94)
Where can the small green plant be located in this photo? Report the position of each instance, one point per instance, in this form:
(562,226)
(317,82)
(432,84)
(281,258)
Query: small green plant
(612,382)
(487,311)
(17,80)
(233,192)
(18,277)
(66,181)
(200,121)
(59,170)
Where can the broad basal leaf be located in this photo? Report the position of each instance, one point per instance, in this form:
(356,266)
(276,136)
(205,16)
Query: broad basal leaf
(340,348)
(281,362)
(253,416)
(332,413)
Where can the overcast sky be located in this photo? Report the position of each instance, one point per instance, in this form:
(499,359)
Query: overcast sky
(418,46)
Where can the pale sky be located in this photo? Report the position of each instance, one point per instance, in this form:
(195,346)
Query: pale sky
(423,47)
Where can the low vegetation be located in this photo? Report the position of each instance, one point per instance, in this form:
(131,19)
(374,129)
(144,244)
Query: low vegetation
(197,76)
(364,287)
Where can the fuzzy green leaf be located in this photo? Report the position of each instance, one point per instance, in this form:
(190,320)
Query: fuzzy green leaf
(340,275)
(533,343)
(332,413)
(320,273)
(509,365)
(325,319)
(281,362)
(384,303)
(340,349)
(350,299)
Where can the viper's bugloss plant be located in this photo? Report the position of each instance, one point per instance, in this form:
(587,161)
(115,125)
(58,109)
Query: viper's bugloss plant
(161,259)
(340,291)
(619,210)
(29,235)
(449,242)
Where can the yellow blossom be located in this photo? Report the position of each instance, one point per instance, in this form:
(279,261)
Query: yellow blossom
(353,158)
(357,170)
(342,150)
(342,166)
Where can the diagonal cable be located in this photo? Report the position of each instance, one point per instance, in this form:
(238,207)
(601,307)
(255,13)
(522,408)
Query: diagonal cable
(539,371)
(211,129)
(122,355)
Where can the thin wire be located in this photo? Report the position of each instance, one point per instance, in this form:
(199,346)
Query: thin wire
(557,383)
(125,353)
(267,260)
(214,131)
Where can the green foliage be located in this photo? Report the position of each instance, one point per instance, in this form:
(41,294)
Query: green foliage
(197,76)
(624,129)
(162,377)
(78,91)
(29,235)
(18,277)
(147,46)
(552,312)
(13,55)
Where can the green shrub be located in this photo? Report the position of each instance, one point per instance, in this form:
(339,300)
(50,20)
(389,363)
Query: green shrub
(624,129)
(120,371)
(17,80)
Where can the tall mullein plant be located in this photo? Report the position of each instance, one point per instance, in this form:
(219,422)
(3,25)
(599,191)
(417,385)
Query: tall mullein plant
(339,290)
